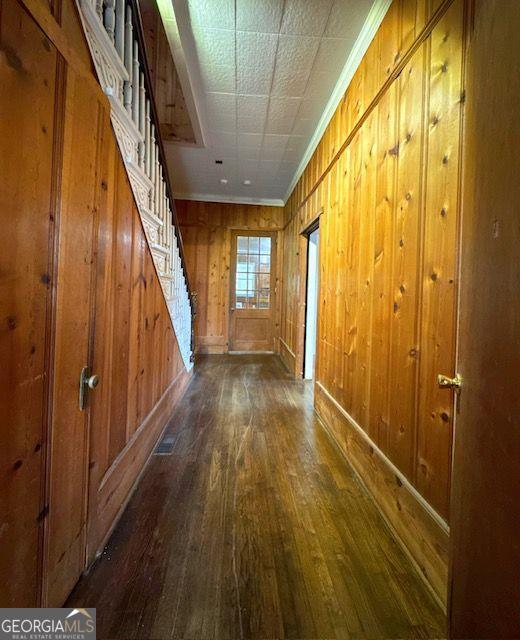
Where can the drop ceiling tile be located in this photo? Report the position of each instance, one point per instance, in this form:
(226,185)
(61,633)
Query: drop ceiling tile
(252,106)
(248,154)
(248,170)
(215,46)
(296,52)
(256,81)
(303,127)
(259,15)
(310,108)
(293,64)
(272,155)
(249,140)
(331,56)
(305,17)
(280,107)
(296,142)
(217,101)
(319,87)
(289,82)
(347,18)
(222,139)
(218,78)
(292,155)
(275,141)
(208,13)
(250,125)
(280,125)
(255,50)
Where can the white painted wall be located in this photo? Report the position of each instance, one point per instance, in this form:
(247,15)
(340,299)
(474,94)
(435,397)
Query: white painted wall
(311,314)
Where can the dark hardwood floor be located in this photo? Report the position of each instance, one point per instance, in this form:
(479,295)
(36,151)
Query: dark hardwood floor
(254,527)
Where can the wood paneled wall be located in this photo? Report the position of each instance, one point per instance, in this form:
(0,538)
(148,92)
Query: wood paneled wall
(386,175)
(206,232)
(77,287)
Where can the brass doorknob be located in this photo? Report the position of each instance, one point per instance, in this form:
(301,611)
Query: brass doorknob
(450,383)
(86,382)
(92,381)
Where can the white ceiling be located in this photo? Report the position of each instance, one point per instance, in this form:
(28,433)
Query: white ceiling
(262,73)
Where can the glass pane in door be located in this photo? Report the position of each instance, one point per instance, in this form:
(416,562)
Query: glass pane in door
(253,272)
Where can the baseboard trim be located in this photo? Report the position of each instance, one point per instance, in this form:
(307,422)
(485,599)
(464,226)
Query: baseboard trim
(421,532)
(211,344)
(287,356)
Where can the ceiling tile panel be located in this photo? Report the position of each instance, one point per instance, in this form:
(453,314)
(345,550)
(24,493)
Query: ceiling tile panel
(346,18)
(255,49)
(279,125)
(331,56)
(218,78)
(294,62)
(208,13)
(259,15)
(255,80)
(215,46)
(305,17)
(249,140)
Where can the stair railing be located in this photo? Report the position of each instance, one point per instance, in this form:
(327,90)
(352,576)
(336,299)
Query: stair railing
(115,36)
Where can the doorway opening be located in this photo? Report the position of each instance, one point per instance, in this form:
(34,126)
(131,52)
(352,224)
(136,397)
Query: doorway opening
(311,305)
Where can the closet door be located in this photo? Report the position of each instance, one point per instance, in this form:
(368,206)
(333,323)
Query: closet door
(74,381)
(28,146)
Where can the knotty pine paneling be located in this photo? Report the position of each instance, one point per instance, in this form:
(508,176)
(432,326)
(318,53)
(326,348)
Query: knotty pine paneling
(386,174)
(206,232)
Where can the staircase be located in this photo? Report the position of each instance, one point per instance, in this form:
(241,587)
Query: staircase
(115,37)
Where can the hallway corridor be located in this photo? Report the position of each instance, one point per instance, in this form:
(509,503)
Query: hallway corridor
(253,527)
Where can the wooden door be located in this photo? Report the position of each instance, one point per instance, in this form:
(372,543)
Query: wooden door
(81,189)
(28,144)
(485,522)
(252,291)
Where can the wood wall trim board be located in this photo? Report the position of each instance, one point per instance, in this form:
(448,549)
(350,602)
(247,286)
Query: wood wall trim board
(287,356)
(422,533)
(50,334)
(404,60)
(139,450)
(211,344)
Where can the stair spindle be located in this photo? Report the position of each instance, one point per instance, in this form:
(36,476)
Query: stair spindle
(109,18)
(136,101)
(147,139)
(128,59)
(120,28)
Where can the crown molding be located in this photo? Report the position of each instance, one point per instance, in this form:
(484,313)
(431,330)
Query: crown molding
(208,197)
(366,35)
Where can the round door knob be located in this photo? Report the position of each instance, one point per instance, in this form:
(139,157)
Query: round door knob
(93,381)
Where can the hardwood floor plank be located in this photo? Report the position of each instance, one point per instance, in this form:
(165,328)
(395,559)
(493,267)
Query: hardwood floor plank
(254,527)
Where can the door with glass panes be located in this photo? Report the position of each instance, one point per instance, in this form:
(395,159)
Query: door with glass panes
(252,291)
